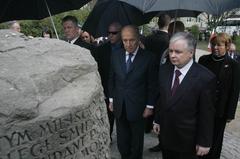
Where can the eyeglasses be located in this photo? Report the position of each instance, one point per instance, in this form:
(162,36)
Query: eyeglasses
(113,32)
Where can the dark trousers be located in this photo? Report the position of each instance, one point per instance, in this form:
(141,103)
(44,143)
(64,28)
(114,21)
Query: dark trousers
(130,136)
(168,154)
(149,124)
(110,118)
(218,134)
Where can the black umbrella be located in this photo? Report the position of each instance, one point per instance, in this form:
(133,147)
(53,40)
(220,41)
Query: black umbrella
(107,11)
(214,7)
(180,13)
(36,9)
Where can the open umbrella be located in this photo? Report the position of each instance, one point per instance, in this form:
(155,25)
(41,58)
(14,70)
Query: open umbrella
(36,9)
(180,13)
(214,7)
(107,11)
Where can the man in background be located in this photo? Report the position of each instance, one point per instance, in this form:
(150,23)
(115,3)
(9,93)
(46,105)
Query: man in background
(103,56)
(157,43)
(15,26)
(233,52)
(72,33)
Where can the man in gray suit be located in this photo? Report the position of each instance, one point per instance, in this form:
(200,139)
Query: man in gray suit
(185,113)
(132,84)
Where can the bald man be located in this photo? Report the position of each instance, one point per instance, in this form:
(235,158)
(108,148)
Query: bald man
(15,26)
(132,84)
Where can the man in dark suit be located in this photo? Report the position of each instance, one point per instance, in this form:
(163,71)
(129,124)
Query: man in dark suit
(103,56)
(227,72)
(132,94)
(233,52)
(72,34)
(185,113)
(157,43)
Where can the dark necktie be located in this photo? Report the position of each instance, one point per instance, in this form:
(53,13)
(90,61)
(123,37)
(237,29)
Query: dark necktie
(129,61)
(176,82)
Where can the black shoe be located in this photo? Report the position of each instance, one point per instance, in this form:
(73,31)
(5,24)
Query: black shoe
(156,148)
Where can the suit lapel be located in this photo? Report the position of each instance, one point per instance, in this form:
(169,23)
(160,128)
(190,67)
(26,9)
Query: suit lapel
(122,59)
(168,84)
(187,83)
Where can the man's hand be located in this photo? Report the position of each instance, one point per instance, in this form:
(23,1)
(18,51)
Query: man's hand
(201,151)
(147,112)
(156,128)
(110,106)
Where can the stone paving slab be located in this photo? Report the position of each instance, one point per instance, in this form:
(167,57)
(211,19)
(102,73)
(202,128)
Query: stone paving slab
(231,143)
(230,150)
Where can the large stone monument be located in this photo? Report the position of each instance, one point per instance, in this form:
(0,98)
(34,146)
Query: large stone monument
(51,101)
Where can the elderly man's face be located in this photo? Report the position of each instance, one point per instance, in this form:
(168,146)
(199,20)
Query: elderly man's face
(130,40)
(16,27)
(70,30)
(179,53)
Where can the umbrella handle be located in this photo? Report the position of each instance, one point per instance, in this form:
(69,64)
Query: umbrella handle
(54,27)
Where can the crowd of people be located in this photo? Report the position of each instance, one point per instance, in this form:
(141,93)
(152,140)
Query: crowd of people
(154,83)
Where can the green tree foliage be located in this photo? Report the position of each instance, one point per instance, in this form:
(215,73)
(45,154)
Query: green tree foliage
(195,31)
(237,42)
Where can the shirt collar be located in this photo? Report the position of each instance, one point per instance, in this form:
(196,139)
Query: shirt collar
(75,39)
(163,30)
(185,68)
(134,53)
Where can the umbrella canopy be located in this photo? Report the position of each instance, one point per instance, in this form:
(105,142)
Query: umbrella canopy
(107,11)
(35,9)
(214,7)
(180,13)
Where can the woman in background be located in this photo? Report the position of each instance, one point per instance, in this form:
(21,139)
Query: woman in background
(46,33)
(228,86)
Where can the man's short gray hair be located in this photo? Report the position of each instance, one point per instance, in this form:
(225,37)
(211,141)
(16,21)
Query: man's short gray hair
(188,37)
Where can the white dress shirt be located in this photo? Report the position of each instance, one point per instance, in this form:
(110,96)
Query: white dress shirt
(73,40)
(183,71)
(133,57)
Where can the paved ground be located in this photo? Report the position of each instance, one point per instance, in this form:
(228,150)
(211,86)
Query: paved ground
(231,145)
